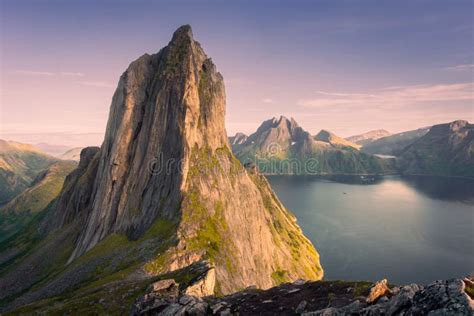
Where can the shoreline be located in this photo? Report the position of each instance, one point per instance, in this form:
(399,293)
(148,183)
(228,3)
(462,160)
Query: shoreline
(368,175)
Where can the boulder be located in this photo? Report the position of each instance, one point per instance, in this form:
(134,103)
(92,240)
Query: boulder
(204,285)
(378,290)
(403,299)
(164,285)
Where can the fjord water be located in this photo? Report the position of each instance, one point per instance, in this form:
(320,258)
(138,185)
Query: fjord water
(405,229)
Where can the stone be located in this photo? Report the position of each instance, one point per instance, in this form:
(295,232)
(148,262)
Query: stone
(383,299)
(164,285)
(395,290)
(173,310)
(203,286)
(378,290)
(185,299)
(199,308)
(216,308)
(349,309)
(226,312)
(403,299)
(299,282)
(442,298)
(293,291)
(301,307)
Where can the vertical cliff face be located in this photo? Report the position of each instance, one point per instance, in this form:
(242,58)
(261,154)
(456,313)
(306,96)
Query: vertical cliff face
(163,106)
(166,157)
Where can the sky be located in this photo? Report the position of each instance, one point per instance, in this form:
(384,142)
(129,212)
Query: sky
(345,66)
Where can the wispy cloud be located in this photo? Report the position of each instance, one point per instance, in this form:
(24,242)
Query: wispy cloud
(338,94)
(464,67)
(34,73)
(71,74)
(98,84)
(49,73)
(267,100)
(392,96)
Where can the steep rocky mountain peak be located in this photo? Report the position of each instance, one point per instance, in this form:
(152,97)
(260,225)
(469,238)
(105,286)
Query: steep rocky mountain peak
(165,105)
(166,161)
(281,131)
(238,139)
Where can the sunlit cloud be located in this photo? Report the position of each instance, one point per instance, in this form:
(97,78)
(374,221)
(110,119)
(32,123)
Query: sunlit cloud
(267,100)
(464,67)
(392,96)
(98,84)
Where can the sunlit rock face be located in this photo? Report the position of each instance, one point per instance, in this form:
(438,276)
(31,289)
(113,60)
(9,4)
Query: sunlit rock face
(166,157)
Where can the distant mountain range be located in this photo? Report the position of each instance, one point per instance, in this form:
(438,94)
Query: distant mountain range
(280,145)
(366,138)
(447,149)
(29,180)
(392,144)
(18,212)
(52,149)
(48,141)
(20,164)
(60,151)
(71,154)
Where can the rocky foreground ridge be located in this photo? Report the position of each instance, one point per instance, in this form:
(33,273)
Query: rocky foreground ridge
(320,298)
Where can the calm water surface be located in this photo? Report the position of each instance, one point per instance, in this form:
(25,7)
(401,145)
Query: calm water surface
(406,229)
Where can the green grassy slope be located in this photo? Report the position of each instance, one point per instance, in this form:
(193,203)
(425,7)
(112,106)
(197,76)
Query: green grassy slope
(19,166)
(21,209)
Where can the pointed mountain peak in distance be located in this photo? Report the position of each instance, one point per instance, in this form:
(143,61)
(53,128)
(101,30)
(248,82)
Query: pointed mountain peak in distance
(324,136)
